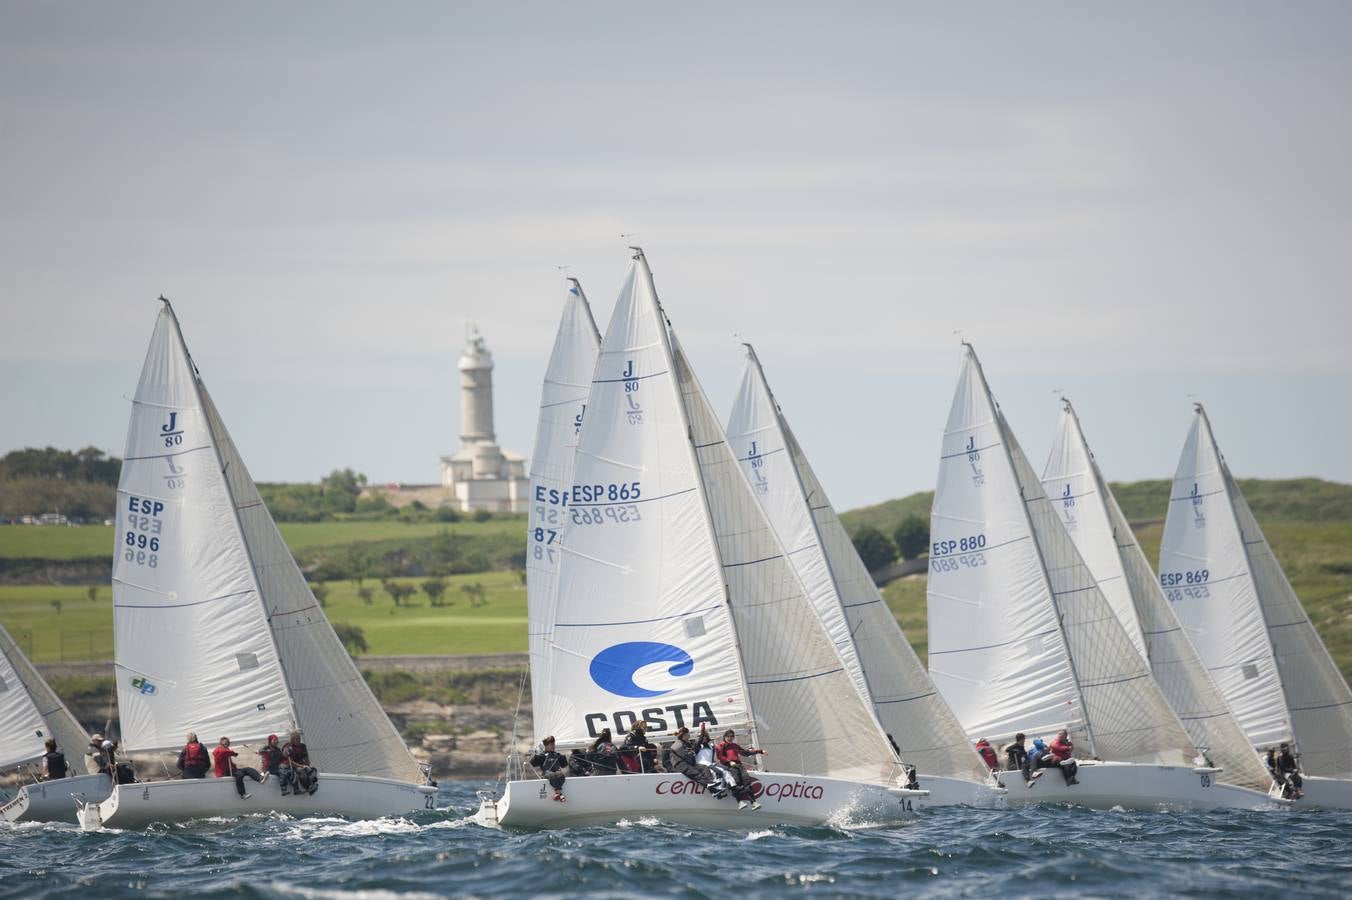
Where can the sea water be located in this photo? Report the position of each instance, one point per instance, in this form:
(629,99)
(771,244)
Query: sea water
(1059,851)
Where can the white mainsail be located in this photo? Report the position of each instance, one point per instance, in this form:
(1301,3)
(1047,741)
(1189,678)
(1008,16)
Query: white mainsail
(1247,623)
(1021,638)
(220,634)
(192,644)
(30,711)
(664,548)
(879,660)
(563,400)
(1101,534)
(808,714)
(641,627)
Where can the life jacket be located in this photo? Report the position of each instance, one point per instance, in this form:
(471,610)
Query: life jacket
(1061,750)
(728,752)
(987,754)
(195,757)
(223,756)
(56,764)
(271,757)
(298,753)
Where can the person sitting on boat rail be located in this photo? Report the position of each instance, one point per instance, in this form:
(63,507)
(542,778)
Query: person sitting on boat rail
(1289,771)
(303,775)
(602,755)
(270,758)
(53,762)
(225,768)
(639,749)
(104,753)
(704,748)
(193,759)
(987,754)
(552,765)
(1016,756)
(1062,752)
(729,754)
(680,757)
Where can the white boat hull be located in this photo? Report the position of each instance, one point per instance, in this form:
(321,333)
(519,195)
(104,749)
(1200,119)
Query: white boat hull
(959,792)
(56,800)
(1325,793)
(611,799)
(348,796)
(1108,785)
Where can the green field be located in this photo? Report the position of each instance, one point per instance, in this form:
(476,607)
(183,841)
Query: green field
(63,543)
(83,630)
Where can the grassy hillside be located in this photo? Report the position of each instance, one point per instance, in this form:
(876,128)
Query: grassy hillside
(86,541)
(1286,500)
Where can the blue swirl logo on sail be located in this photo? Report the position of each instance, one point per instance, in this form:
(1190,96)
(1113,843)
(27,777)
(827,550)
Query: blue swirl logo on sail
(613,669)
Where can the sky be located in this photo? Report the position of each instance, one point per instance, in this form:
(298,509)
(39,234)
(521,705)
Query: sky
(1137,205)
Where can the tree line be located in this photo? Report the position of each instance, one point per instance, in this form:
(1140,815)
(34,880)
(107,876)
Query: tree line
(909,540)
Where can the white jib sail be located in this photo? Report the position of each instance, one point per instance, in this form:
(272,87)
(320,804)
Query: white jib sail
(344,727)
(1095,523)
(1205,575)
(1283,666)
(22,730)
(563,400)
(641,627)
(809,715)
(192,644)
(875,653)
(25,694)
(1023,632)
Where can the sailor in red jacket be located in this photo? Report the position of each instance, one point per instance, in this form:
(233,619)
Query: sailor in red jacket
(225,768)
(987,752)
(1062,752)
(729,754)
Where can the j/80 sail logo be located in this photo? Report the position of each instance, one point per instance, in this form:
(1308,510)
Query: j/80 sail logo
(171,432)
(757,461)
(634,412)
(974,460)
(1198,515)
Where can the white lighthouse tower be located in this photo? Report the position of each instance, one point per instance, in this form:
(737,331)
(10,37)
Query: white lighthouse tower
(481,475)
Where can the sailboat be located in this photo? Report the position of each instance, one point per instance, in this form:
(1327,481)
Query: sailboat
(1021,638)
(1105,541)
(675,605)
(1249,627)
(563,400)
(879,660)
(215,630)
(30,713)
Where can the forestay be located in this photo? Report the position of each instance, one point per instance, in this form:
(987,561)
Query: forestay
(22,730)
(563,400)
(1313,691)
(192,644)
(1022,629)
(809,715)
(30,711)
(876,655)
(1205,574)
(1094,521)
(641,626)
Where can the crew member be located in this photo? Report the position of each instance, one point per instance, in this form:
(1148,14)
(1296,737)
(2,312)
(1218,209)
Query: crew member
(298,755)
(729,754)
(226,768)
(193,759)
(53,762)
(552,765)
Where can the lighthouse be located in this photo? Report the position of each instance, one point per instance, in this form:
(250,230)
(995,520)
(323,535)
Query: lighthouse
(480,474)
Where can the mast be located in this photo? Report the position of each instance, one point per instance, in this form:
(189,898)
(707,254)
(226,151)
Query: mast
(670,357)
(1037,546)
(234,508)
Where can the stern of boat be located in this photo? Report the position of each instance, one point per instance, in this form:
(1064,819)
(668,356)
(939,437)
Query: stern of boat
(488,814)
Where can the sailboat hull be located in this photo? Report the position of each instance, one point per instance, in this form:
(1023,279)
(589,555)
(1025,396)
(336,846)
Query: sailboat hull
(611,799)
(347,796)
(959,792)
(1325,793)
(1107,785)
(55,801)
